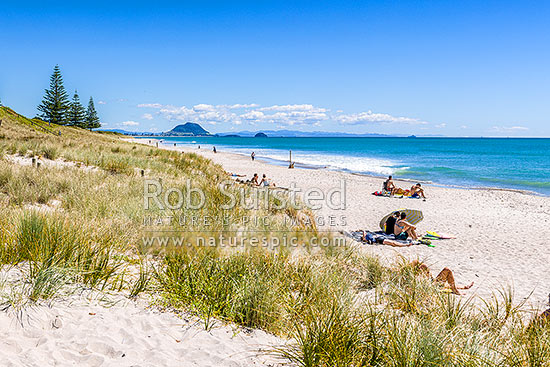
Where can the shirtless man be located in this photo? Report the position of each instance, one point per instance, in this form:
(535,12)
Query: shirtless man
(444,276)
(403,229)
(417,191)
(254,180)
(389,186)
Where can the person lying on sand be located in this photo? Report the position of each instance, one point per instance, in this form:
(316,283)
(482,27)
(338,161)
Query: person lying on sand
(444,276)
(387,242)
(404,229)
(265,182)
(417,191)
(236,175)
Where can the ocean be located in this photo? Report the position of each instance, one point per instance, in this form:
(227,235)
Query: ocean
(522,164)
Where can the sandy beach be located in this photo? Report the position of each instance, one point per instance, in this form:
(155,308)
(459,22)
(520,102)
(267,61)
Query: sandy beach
(501,236)
(89,328)
(125,335)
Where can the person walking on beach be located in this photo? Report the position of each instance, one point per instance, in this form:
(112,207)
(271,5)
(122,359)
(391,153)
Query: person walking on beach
(404,229)
(214,149)
(253,155)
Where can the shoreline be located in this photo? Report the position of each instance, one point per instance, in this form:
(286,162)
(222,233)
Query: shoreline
(494,246)
(301,165)
(306,166)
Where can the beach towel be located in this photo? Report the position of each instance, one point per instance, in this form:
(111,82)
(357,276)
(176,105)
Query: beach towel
(377,238)
(438,236)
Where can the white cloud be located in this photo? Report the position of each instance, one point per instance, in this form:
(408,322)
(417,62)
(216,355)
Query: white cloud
(101,102)
(371,117)
(203,107)
(279,115)
(147,116)
(235,106)
(293,107)
(130,123)
(149,105)
(440,126)
(509,129)
(253,115)
(463,127)
(201,113)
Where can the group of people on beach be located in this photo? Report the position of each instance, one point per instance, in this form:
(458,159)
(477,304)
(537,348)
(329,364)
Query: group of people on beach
(255,180)
(397,225)
(416,190)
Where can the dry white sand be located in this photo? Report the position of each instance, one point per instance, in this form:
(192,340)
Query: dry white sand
(77,331)
(124,335)
(502,237)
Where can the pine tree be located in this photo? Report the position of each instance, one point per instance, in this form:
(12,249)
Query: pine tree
(55,103)
(77,113)
(92,121)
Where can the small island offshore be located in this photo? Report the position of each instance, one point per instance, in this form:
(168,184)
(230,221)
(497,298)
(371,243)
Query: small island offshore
(274,184)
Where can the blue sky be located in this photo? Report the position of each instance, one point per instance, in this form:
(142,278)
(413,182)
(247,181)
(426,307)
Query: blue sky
(465,68)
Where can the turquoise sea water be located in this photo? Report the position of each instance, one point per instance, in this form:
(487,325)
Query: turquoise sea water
(472,162)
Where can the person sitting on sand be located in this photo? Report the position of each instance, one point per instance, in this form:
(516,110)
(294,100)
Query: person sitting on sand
(389,186)
(417,191)
(390,223)
(254,180)
(444,276)
(214,150)
(265,182)
(404,229)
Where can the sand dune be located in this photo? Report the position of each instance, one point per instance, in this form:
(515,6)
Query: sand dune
(81,333)
(503,237)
